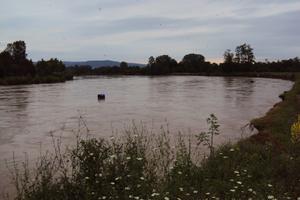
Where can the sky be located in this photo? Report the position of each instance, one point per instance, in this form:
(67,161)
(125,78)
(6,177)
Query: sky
(134,30)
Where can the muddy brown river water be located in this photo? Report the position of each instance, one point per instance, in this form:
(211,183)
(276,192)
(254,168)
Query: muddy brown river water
(28,113)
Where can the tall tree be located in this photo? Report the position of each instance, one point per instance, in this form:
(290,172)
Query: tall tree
(151,61)
(228,56)
(244,54)
(17,50)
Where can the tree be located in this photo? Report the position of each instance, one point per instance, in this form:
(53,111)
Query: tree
(52,66)
(17,50)
(228,56)
(151,61)
(163,64)
(123,65)
(193,62)
(244,54)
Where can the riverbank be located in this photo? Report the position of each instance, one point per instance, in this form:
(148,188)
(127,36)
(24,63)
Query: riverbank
(276,75)
(141,166)
(22,80)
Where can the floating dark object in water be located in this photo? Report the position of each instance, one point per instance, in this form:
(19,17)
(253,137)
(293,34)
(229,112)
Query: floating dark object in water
(252,81)
(101,96)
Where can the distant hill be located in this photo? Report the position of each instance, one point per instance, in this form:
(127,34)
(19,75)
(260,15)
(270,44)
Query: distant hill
(99,63)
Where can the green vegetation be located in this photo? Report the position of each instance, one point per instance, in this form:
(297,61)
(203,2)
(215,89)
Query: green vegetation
(15,68)
(242,61)
(142,165)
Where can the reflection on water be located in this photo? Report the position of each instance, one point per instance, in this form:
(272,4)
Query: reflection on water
(28,113)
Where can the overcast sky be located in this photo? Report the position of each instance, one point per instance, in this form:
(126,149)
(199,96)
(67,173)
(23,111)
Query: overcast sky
(133,30)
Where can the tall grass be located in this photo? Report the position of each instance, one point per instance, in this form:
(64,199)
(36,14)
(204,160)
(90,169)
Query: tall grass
(143,165)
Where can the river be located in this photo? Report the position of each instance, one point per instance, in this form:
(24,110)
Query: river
(28,113)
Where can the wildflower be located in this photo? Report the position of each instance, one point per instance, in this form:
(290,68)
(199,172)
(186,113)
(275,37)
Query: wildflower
(130,196)
(154,194)
(225,157)
(232,150)
(179,172)
(295,131)
(138,185)
(269,185)
(87,178)
(239,182)
(103,197)
(207,193)
(187,194)
(112,183)
(231,180)
(166,198)
(195,191)
(142,178)
(93,193)
(181,189)
(137,197)
(220,153)
(270,197)
(128,158)
(232,190)
(250,190)
(236,172)
(91,154)
(127,188)
(113,156)
(139,159)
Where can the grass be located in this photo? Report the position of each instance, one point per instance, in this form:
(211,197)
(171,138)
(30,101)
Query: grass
(141,165)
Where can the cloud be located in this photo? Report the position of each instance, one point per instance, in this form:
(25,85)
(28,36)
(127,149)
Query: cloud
(135,29)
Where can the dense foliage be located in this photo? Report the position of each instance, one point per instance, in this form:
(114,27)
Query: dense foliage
(241,61)
(15,68)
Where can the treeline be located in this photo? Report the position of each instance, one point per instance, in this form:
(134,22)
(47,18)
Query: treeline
(15,68)
(14,63)
(242,60)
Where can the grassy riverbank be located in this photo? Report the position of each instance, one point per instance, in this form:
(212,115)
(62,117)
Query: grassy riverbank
(144,166)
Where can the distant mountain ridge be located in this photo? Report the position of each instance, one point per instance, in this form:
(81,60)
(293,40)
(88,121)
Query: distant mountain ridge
(99,63)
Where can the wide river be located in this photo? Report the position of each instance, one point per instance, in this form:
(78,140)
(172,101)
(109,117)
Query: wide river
(28,113)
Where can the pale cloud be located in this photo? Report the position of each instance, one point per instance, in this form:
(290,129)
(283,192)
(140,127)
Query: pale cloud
(133,30)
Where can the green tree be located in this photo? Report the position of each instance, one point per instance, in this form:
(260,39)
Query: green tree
(17,50)
(123,65)
(151,61)
(244,54)
(163,64)
(228,56)
(50,67)
(193,63)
